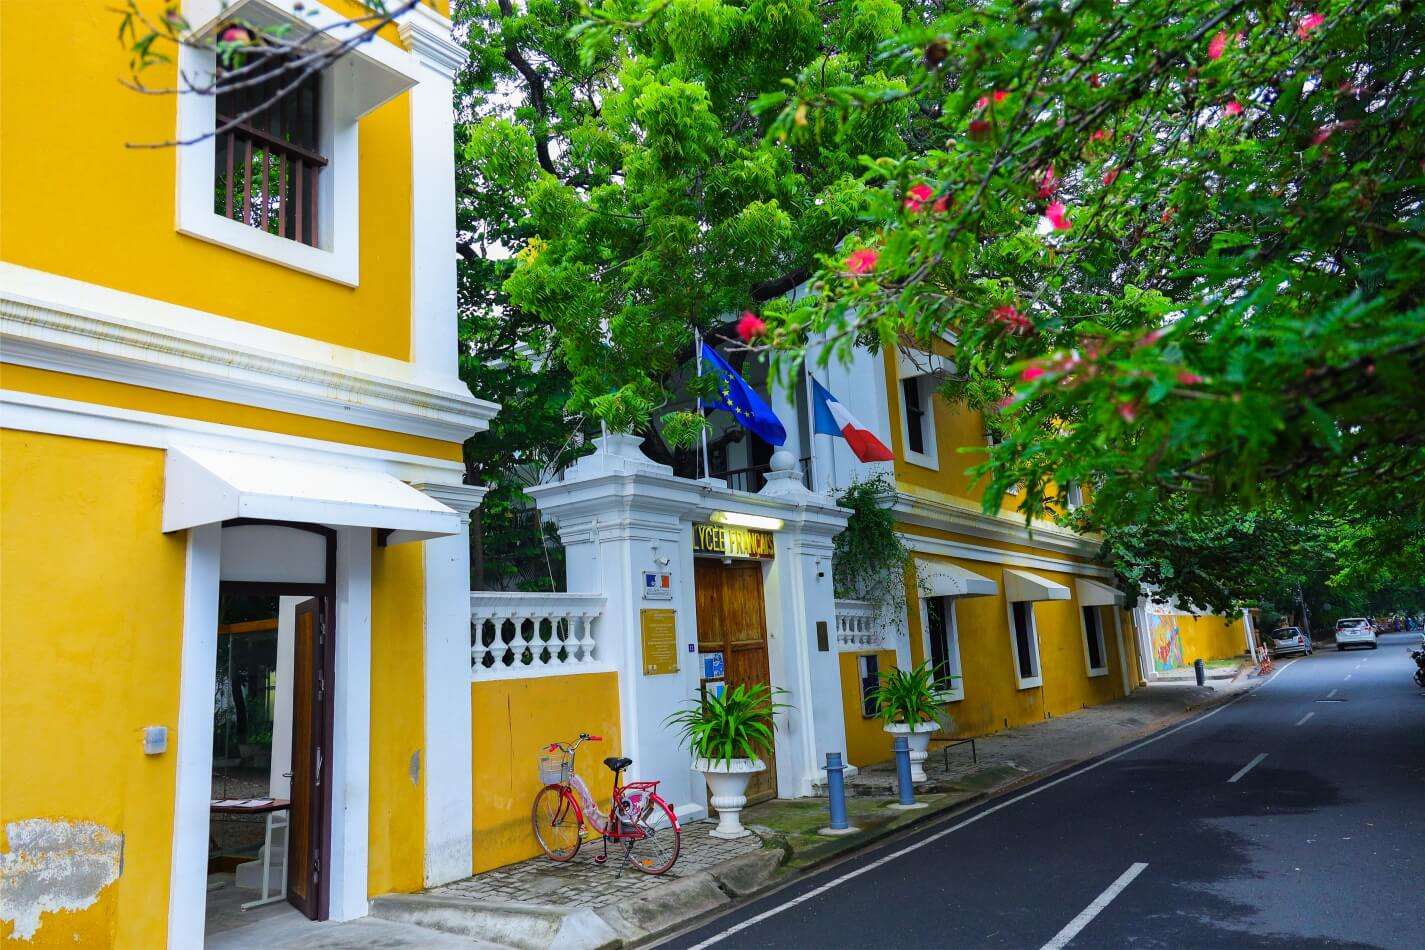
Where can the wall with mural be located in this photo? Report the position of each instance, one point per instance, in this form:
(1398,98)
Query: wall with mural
(1178,639)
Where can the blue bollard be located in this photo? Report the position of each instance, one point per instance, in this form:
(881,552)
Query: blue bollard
(836,791)
(902,747)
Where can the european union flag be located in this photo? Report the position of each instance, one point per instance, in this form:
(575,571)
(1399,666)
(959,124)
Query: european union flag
(742,401)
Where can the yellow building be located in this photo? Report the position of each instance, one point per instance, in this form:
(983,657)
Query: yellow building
(230,393)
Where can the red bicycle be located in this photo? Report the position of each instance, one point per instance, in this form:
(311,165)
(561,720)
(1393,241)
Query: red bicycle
(638,818)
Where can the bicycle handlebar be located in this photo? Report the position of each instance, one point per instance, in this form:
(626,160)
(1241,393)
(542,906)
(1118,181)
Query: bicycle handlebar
(583,737)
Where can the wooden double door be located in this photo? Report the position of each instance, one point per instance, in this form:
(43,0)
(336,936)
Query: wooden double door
(732,619)
(309,828)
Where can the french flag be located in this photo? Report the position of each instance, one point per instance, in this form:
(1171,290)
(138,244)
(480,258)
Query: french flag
(830,417)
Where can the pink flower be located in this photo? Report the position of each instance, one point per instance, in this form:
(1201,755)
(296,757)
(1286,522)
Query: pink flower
(1031,373)
(999,95)
(1110,176)
(1100,135)
(1189,378)
(942,204)
(979,128)
(1015,321)
(1331,128)
(1128,411)
(1048,182)
(1218,45)
(1057,216)
(917,196)
(235,34)
(1151,337)
(1233,107)
(750,326)
(1308,23)
(1094,81)
(862,261)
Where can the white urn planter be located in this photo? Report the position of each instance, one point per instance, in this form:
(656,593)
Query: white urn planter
(919,737)
(727,780)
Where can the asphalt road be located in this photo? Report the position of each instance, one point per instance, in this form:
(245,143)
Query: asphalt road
(1292,817)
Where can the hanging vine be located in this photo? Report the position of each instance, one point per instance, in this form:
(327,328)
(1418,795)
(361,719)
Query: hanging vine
(869,561)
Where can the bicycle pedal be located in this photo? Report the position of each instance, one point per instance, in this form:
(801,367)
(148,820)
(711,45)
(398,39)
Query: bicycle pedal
(600,858)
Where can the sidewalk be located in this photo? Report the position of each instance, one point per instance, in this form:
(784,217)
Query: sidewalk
(538,903)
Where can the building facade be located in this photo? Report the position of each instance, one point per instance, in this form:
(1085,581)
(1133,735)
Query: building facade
(229,385)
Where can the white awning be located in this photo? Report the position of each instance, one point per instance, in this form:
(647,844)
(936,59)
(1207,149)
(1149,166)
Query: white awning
(370,74)
(210,486)
(910,362)
(941,579)
(1022,585)
(1094,594)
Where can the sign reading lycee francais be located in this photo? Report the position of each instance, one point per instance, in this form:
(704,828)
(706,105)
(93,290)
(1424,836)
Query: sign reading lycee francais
(732,541)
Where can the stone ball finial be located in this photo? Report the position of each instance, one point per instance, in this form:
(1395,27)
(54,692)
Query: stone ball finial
(783,461)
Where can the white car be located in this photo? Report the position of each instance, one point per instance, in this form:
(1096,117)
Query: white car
(1355,632)
(1290,640)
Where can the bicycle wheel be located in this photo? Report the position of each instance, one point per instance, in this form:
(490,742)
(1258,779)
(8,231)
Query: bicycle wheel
(557,826)
(655,849)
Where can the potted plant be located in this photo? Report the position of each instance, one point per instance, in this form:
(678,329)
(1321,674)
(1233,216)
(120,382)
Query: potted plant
(728,735)
(908,702)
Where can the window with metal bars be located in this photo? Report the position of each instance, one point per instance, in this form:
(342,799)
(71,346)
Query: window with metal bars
(268,158)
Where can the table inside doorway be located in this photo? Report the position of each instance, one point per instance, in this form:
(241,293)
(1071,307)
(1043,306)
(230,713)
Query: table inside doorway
(270,808)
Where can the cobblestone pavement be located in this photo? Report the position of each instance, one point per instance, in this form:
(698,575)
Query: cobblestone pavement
(1077,735)
(582,883)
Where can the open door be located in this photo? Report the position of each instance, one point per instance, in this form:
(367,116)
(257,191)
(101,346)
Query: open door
(306,842)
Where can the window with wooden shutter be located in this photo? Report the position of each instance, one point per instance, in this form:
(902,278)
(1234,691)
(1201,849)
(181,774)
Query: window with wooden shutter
(268,158)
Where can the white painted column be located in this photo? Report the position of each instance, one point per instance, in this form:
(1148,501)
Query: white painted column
(433,303)
(1122,650)
(193,743)
(351,739)
(449,788)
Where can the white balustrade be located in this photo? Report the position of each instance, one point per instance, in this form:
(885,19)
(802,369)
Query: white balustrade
(858,626)
(514,634)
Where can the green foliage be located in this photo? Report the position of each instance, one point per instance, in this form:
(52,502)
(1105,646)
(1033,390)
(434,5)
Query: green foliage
(736,725)
(911,696)
(683,429)
(869,560)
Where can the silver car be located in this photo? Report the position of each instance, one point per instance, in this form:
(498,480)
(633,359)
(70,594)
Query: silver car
(1355,632)
(1287,640)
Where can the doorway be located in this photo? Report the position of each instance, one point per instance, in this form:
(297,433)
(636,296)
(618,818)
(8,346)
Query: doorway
(279,693)
(732,620)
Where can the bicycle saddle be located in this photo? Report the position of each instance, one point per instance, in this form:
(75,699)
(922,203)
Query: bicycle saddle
(617,764)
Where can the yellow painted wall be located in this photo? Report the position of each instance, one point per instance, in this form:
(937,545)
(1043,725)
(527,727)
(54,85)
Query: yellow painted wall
(91,618)
(992,699)
(1211,637)
(397,815)
(63,156)
(142,399)
(866,742)
(513,721)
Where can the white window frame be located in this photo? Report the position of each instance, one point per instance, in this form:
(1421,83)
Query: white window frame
(1102,642)
(337,256)
(952,646)
(1073,496)
(930,458)
(1037,679)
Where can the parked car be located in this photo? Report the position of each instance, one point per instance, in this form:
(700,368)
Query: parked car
(1355,632)
(1290,640)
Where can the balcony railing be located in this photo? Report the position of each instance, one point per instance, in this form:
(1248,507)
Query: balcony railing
(514,634)
(753,477)
(859,627)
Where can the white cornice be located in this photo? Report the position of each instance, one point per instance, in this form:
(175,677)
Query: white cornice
(927,513)
(920,544)
(427,34)
(56,324)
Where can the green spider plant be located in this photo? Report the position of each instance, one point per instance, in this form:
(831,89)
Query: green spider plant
(736,725)
(911,696)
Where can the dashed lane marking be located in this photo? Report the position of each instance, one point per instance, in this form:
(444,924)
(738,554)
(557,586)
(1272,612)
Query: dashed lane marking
(1072,928)
(1246,768)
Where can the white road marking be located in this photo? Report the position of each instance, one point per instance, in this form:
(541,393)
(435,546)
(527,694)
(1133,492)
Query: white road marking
(1247,768)
(930,839)
(1304,718)
(1072,928)
(1330,694)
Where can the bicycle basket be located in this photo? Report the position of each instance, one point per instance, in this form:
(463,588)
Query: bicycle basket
(553,770)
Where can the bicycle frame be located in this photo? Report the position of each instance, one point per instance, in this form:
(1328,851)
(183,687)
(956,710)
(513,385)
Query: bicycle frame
(625,798)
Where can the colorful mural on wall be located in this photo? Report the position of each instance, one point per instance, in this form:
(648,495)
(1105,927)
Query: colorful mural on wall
(1167,642)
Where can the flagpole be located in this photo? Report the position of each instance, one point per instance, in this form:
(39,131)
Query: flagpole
(698,361)
(811,414)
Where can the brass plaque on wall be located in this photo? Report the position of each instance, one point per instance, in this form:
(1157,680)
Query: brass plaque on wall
(660,641)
